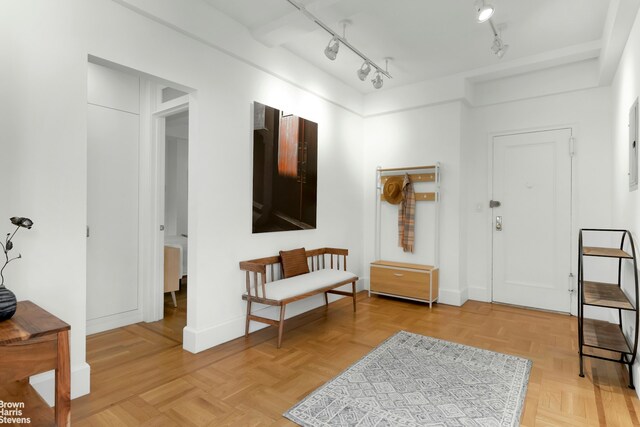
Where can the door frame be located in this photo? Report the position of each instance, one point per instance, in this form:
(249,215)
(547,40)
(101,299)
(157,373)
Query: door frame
(573,245)
(154,176)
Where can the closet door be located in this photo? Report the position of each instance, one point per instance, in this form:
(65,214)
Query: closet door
(112,200)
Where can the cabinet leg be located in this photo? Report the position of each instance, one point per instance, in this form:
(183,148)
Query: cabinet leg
(581,366)
(631,386)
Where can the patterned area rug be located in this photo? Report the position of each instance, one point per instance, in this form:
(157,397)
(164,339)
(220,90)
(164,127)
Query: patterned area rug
(413,380)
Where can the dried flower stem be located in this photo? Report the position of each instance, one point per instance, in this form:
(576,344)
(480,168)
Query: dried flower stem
(6,254)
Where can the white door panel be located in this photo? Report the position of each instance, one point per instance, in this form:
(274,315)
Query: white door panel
(531,254)
(112,211)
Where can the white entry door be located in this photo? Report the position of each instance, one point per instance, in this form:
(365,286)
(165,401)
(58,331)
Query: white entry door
(532,225)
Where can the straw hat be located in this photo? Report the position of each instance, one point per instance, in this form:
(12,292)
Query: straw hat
(392,190)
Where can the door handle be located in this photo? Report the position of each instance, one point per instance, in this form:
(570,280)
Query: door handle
(498,223)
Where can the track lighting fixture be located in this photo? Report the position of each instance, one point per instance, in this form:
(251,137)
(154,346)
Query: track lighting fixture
(377,81)
(499,48)
(331,51)
(484,10)
(364,71)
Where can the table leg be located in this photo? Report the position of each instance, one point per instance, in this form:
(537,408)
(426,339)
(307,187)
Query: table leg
(63,382)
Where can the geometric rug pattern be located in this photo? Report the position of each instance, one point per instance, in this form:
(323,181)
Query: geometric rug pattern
(414,380)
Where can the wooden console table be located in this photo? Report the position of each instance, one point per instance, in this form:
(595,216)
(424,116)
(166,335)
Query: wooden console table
(35,341)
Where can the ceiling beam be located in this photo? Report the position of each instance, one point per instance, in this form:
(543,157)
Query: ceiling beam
(289,26)
(618,24)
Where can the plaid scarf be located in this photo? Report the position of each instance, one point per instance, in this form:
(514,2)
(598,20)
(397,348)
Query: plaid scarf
(407,216)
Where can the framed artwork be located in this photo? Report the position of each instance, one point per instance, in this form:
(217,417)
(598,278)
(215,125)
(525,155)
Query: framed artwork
(285,171)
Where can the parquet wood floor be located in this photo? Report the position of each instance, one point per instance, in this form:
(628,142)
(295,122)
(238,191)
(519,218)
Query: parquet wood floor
(142,377)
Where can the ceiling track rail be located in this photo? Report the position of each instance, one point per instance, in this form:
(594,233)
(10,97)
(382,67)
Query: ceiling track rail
(337,36)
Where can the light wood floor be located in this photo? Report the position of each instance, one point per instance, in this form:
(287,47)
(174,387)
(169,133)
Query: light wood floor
(141,377)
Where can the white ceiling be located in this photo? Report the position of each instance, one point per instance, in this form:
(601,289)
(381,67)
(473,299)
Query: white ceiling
(427,39)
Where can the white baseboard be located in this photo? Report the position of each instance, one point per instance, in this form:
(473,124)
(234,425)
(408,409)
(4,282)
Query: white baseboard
(115,321)
(450,297)
(196,341)
(479,294)
(45,383)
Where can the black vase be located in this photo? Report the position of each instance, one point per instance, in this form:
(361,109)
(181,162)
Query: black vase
(8,304)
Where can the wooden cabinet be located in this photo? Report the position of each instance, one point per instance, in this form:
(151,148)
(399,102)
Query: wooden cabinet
(410,281)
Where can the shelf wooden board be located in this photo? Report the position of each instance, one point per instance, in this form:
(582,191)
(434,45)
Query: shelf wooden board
(605,252)
(393,264)
(606,295)
(420,197)
(415,177)
(604,335)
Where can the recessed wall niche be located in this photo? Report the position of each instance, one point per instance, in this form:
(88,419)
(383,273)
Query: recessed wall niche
(285,171)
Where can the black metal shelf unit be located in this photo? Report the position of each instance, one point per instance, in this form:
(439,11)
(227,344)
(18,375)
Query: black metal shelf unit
(597,334)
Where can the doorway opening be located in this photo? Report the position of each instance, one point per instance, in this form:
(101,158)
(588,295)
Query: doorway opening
(176,230)
(138,151)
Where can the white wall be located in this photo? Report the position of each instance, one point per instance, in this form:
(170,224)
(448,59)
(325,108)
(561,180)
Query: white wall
(418,137)
(182,176)
(176,186)
(587,111)
(171,186)
(47,45)
(626,204)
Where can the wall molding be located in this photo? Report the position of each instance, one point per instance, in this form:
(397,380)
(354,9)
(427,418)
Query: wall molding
(119,320)
(479,294)
(45,383)
(453,297)
(196,341)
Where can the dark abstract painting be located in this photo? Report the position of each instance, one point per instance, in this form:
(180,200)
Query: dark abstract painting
(285,170)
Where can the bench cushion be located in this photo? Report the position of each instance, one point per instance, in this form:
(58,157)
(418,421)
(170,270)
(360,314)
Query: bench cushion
(298,285)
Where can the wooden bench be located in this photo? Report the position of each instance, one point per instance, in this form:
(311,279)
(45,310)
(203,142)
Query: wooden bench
(266,285)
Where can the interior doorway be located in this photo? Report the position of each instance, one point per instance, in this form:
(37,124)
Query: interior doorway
(169,239)
(176,223)
(135,123)
(531,219)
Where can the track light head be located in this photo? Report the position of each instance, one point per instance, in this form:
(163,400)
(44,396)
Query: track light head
(377,81)
(484,10)
(364,71)
(331,51)
(499,48)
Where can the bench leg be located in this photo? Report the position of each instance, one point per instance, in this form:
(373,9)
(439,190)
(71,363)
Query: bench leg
(246,328)
(326,299)
(281,325)
(353,290)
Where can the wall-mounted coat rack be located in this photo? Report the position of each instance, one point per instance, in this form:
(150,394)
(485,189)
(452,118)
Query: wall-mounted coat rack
(417,282)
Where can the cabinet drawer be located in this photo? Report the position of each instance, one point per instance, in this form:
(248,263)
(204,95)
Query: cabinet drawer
(413,284)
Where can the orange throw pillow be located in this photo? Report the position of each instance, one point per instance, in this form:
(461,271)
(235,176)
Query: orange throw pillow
(294,262)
